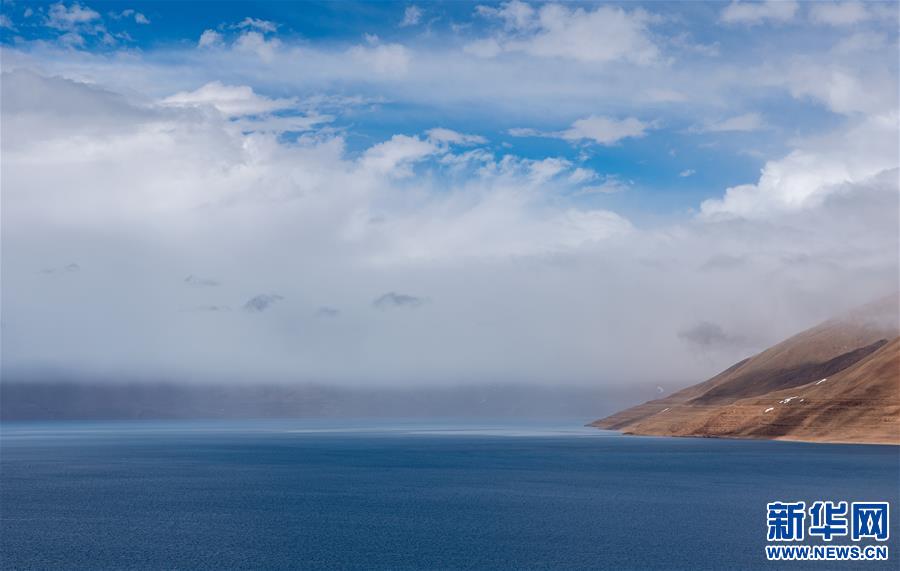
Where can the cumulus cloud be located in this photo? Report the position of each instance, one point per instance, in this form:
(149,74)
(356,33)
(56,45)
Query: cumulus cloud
(753,13)
(230,100)
(604,34)
(865,154)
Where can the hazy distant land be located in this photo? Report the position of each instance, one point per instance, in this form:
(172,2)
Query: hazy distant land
(51,398)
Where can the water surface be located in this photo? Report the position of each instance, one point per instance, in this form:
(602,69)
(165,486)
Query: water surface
(367,495)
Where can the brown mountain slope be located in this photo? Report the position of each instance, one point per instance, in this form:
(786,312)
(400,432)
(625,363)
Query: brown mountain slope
(858,354)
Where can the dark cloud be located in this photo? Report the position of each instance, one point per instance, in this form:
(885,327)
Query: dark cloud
(262,302)
(326,311)
(708,334)
(394,299)
(210,308)
(198,281)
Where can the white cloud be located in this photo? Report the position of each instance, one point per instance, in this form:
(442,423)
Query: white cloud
(442,135)
(140,195)
(743,122)
(687,172)
(411,16)
(230,100)
(610,184)
(256,43)
(545,169)
(219,193)
(72,39)
(138,17)
(385,59)
(601,130)
(839,13)
(526,132)
(752,13)
(70,18)
(858,42)
(484,48)
(440,77)
(605,130)
(819,168)
(396,156)
(843,88)
(264,26)
(604,34)
(581,175)
(210,38)
(76,22)
(252,39)
(516,15)
(663,95)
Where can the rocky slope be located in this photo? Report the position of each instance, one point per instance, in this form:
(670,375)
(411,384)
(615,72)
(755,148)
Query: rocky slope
(836,382)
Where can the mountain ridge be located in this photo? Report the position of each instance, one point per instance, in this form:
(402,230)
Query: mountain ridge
(838,381)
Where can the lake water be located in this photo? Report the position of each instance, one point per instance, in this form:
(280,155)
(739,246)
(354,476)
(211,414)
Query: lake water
(369,496)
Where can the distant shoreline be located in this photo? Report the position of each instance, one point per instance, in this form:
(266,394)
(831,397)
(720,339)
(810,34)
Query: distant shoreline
(755,438)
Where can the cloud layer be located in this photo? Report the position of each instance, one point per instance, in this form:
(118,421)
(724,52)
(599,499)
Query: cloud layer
(495,207)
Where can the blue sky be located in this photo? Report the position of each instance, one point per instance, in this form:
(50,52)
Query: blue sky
(650,165)
(522,170)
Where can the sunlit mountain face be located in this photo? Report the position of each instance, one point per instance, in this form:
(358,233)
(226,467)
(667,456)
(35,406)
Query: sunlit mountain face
(429,194)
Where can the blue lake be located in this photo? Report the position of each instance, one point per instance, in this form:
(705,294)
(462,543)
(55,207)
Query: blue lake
(319,495)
